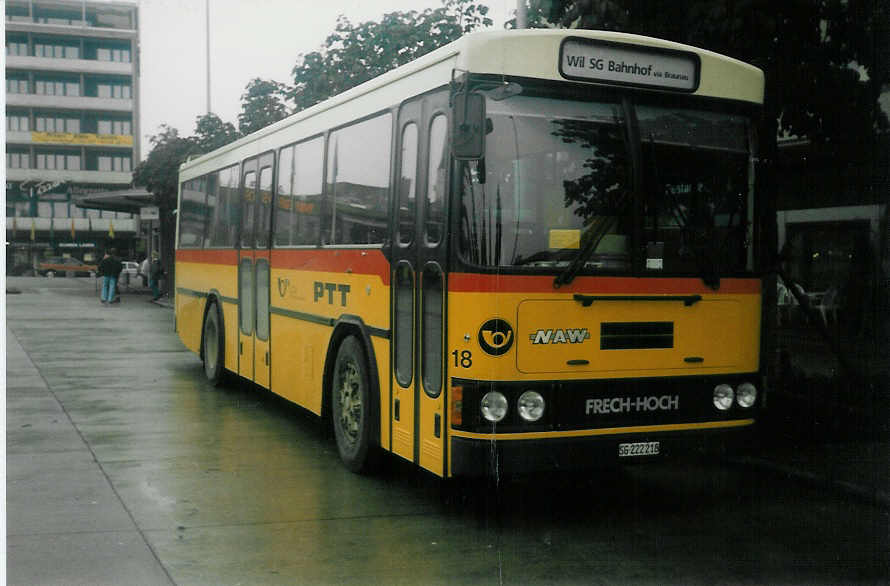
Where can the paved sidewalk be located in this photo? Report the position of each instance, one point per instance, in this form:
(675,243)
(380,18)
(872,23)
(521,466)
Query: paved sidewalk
(65,523)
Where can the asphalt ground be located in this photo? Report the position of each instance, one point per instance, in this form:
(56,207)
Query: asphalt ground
(107,416)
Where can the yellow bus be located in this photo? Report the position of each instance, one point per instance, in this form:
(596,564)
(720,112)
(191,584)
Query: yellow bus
(527,250)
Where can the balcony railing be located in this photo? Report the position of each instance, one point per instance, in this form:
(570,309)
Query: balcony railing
(69,65)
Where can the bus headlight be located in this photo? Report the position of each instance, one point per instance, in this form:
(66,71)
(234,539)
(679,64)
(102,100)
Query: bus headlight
(531,406)
(746,395)
(723,396)
(494,406)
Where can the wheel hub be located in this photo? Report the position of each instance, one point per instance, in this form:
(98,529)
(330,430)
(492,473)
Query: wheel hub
(350,402)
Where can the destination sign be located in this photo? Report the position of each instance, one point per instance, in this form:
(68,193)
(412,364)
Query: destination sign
(591,60)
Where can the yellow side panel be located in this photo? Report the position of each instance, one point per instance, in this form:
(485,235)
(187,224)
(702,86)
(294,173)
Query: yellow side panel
(230,319)
(403,429)
(194,281)
(381,350)
(298,351)
(432,450)
(189,320)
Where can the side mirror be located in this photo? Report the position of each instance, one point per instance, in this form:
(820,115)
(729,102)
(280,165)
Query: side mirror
(468,127)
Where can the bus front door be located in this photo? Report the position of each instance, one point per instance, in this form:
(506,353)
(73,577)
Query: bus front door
(418,409)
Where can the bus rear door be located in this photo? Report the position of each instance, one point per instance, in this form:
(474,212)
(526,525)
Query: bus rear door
(253,270)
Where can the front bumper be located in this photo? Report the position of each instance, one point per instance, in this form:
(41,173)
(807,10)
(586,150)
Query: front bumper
(475,457)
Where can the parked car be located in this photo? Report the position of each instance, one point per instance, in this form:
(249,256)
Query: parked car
(130,274)
(59,266)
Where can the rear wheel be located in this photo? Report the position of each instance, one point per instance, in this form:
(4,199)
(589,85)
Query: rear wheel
(213,346)
(352,410)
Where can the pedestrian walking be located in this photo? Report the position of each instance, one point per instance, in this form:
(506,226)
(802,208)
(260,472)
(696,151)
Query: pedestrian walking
(155,272)
(109,269)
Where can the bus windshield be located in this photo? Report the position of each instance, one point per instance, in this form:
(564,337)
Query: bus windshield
(556,189)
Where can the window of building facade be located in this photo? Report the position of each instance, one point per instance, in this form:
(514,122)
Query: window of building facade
(56,50)
(115,127)
(56,87)
(18,159)
(108,162)
(16,122)
(17,84)
(16,47)
(119,90)
(118,54)
(56,123)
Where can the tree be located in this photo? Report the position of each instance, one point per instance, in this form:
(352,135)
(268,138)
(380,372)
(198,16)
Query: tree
(824,60)
(354,54)
(211,132)
(159,173)
(262,103)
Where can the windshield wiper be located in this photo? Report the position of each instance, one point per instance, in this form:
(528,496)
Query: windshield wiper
(596,236)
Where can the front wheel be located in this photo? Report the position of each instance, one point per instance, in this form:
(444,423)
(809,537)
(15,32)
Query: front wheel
(352,410)
(213,346)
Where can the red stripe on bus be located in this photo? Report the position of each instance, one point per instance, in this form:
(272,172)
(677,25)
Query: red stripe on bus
(354,261)
(328,260)
(210,256)
(473,283)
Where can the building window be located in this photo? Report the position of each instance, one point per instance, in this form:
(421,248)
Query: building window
(58,161)
(56,87)
(52,123)
(114,89)
(56,50)
(120,55)
(17,48)
(17,85)
(18,160)
(116,127)
(17,123)
(118,163)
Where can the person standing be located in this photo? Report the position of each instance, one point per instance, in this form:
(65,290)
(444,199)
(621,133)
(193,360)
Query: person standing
(154,276)
(109,269)
(143,271)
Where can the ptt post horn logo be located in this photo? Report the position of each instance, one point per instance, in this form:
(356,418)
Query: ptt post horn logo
(496,337)
(282,286)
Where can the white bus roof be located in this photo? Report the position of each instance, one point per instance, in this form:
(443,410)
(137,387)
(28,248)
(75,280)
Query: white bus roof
(530,53)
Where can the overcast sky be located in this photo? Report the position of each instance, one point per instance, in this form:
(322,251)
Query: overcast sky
(248,38)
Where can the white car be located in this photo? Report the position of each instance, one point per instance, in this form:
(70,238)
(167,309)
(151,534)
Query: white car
(130,274)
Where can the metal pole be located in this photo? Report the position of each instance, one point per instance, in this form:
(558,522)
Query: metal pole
(521,15)
(207,27)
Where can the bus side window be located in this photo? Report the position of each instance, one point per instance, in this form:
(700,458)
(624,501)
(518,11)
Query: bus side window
(436,181)
(358,181)
(407,187)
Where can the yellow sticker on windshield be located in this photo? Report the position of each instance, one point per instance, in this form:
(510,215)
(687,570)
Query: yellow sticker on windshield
(565,239)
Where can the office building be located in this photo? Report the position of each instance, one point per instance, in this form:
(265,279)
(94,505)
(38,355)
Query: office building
(72,122)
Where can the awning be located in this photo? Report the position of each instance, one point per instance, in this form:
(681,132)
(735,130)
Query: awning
(125,200)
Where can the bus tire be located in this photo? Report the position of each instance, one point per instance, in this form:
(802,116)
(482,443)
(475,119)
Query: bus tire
(351,408)
(213,346)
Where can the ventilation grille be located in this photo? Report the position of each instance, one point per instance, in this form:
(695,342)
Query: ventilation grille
(636,335)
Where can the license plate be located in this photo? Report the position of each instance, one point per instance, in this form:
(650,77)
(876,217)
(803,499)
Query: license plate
(639,449)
